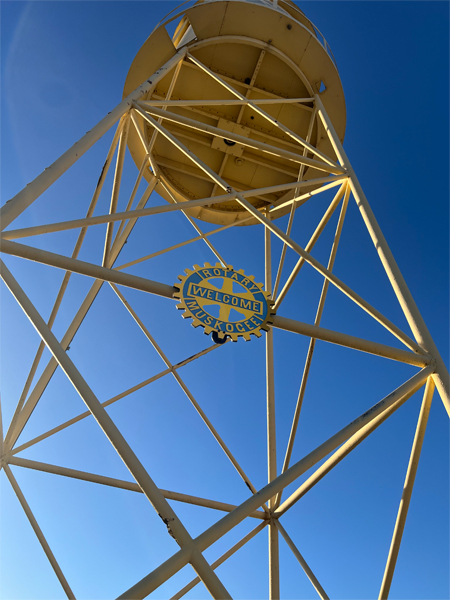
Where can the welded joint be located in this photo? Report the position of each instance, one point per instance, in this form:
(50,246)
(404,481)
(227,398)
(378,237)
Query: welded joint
(429,360)
(5,458)
(432,363)
(273,516)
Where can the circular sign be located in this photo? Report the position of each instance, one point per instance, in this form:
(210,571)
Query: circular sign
(224,301)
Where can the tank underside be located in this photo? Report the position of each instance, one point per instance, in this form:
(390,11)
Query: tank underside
(238,51)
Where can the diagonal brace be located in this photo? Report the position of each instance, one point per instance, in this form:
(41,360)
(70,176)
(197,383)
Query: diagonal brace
(154,495)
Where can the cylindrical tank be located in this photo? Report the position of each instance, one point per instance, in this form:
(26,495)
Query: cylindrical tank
(264,49)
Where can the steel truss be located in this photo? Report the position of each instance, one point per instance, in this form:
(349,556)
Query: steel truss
(264,504)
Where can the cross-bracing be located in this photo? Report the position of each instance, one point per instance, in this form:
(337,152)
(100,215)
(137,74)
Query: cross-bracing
(265,504)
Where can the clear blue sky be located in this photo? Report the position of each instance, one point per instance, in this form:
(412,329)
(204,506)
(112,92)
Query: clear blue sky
(63,69)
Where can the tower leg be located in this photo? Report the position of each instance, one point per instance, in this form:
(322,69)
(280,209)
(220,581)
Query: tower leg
(407,490)
(14,207)
(404,296)
(154,495)
(274,562)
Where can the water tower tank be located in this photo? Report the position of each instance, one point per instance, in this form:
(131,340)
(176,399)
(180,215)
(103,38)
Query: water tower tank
(263,51)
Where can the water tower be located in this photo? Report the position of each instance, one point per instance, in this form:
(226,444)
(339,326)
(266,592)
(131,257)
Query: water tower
(235,118)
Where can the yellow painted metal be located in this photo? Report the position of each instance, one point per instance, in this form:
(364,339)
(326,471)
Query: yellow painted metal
(242,51)
(382,409)
(319,589)
(40,536)
(312,343)
(415,320)
(102,274)
(126,485)
(407,489)
(16,205)
(185,389)
(123,394)
(149,488)
(248,102)
(13,234)
(221,560)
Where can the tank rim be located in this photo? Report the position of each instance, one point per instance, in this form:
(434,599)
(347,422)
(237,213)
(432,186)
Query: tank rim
(267,4)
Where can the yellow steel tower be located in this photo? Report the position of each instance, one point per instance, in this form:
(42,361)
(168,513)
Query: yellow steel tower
(236,119)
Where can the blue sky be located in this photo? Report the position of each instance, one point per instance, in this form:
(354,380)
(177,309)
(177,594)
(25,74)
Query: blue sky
(63,68)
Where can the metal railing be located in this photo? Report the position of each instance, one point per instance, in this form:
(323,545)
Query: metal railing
(277,4)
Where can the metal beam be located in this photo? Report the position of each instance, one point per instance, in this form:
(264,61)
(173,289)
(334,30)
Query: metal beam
(40,536)
(407,490)
(298,201)
(156,210)
(180,245)
(148,147)
(296,552)
(131,199)
(206,141)
(397,397)
(187,588)
(270,376)
(350,341)
(97,220)
(237,102)
(274,558)
(116,187)
(156,170)
(310,245)
(188,393)
(214,250)
(242,110)
(373,312)
(245,141)
(237,82)
(88,269)
(312,343)
(176,562)
(262,112)
(123,394)
(343,451)
(274,561)
(160,504)
(417,324)
(151,144)
(255,132)
(161,289)
(14,207)
(15,430)
(125,485)
(293,207)
(67,275)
